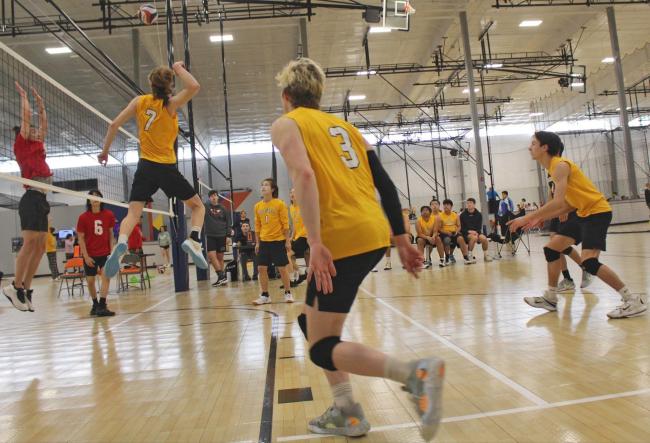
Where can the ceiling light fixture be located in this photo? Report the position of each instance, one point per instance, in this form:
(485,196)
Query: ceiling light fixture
(59,50)
(530,23)
(536,114)
(357,97)
(493,65)
(366,72)
(466,90)
(379,29)
(217,38)
(608,60)
(577,84)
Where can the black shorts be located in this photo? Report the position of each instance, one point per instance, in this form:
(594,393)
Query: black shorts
(570,228)
(299,246)
(165,247)
(33,210)
(272,252)
(426,242)
(350,272)
(593,229)
(217,244)
(99,264)
(453,238)
(151,176)
(466,237)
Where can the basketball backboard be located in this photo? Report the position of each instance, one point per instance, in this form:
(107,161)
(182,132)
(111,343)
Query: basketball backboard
(396,14)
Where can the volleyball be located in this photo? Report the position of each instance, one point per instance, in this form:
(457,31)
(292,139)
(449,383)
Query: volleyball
(148,14)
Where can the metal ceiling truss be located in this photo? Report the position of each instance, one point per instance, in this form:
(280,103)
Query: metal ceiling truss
(424,124)
(111,14)
(438,104)
(634,110)
(536,3)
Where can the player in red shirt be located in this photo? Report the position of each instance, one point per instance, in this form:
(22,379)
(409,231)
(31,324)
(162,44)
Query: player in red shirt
(135,239)
(95,229)
(33,207)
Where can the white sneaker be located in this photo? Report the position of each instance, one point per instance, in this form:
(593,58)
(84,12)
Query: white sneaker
(288,297)
(566,285)
(262,300)
(468,261)
(16,299)
(442,263)
(194,250)
(388,266)
(631,307)
(587,278)
(488,258)
(548,301)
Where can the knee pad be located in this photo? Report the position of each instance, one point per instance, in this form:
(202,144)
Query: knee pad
(302,322)
(591,265)
(321,352)
(551,254)
(568,250)
(446,241)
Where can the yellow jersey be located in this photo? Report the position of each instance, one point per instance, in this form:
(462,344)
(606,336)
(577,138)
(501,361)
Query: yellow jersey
(271,220)
(427,227)
(299,229)
(449,222)
(50,245)
(157,129)
(580,191)
(352,221)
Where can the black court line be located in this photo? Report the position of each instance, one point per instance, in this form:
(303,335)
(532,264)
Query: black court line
(266,423)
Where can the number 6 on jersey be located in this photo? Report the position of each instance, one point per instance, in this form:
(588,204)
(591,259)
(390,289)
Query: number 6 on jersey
(351,160)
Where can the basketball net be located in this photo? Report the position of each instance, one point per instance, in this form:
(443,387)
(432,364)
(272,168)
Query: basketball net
(408,9)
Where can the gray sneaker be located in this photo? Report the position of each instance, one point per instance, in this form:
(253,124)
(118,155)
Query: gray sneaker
(335,421)
(631,306)
(566,285)
(425,385)
(587,278)
(548,301)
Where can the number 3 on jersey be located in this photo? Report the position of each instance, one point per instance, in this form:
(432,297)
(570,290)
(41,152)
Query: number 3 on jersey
(351,160)
(152,116)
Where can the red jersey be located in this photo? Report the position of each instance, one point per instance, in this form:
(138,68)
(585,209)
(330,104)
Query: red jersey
(135,239)
(97,230)
(30,156)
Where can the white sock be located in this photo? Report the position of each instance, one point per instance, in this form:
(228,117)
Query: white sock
(551,293)
(397,370)
(625,292)
(123,238)
(343,396)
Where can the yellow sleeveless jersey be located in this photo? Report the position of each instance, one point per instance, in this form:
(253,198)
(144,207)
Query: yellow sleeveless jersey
(449,222)
(271,220)
(157,130)
(352,221)
(299,229)
(427,226)
(580,191)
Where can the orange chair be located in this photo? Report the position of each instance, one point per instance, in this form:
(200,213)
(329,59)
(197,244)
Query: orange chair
(73,276)
(133,266)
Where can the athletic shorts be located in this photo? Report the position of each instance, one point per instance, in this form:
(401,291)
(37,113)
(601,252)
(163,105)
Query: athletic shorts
(33,210)
(466,237)
(272,252)
(426,242)
(299,246)
(452,237)
(165,247)
(593,229)
(570,228)
(350,273)
(217,244)
(151,176)
(99,264)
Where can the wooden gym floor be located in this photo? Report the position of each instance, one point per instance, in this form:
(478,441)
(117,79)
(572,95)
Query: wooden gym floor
(207,366)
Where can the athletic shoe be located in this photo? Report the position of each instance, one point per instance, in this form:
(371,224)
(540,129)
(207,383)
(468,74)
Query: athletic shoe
(15,296)
(194,250)
(288,297)
(488,258)
(452,259)
(425,385)
(112,266)
(28,300)
(566,285)
(442,263)
(388,266)
(375,270)
(302,278)
(220,281)
(335,421)
(587,278)
(633,306)
(103,311)
(262,300)
(427,264)
(93,310)
(468,261)
(544,302)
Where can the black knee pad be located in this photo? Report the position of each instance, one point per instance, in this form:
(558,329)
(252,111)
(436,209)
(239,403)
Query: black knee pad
(551,254)
(321,352)
(591,265)
(302,322)
(568,250)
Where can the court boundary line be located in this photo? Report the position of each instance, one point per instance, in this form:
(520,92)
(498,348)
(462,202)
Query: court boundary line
(497,413)
(531,396)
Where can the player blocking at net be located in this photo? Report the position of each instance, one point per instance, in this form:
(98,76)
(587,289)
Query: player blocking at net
(157,122)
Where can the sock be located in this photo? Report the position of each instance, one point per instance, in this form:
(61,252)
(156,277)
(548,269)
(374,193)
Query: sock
(102,301)
(343,396)
(551,294)
(567,275)
(123,238)
(265,294)
(194,235)
(396,370)
(466,257)
(625,292)
(287,292)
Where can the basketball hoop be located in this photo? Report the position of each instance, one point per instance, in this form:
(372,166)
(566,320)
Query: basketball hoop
(408,9)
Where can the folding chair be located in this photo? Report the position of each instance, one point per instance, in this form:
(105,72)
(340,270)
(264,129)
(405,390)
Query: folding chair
(73,276)
(523,238)
(133,266)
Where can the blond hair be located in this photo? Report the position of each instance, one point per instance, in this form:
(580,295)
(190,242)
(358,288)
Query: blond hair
(302,81)
(162,80)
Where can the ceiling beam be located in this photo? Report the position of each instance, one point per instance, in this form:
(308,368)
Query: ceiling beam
(538,3)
